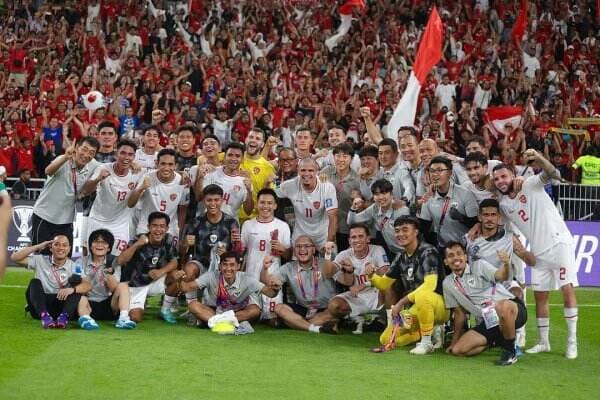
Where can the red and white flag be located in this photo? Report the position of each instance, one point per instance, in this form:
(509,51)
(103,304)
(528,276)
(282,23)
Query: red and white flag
(345,11)
(428,55)
(498,117)
(520,25)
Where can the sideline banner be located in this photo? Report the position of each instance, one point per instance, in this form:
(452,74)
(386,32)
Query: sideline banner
(586,234)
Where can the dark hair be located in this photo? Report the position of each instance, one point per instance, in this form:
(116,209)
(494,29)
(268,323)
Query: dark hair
(389,142)
(503,166)
(477,157)
(101,234)
(186,127)
(344,148)
(441,160)
(107,124)
(455,243)
(266,192)
(210,137)
(382,186)
(229,254)
(407,220)
(152,128)
(489,203)
(212,189)
(262,132)
(368,151)
(287,149)
(304,128)
(92,141)
(359,225)
(336,126)
(126,142)
(235,145)
(166,152)
(412,130)
(476,139)
(158,215)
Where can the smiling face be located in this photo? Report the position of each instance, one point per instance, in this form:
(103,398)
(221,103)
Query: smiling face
(336,136)
(307,170)
(60,248)
(233,159)
(384,199)
(99,247)
(210,147)
(304,249)
(358,239)
(503,179)
(406,234)
(151,139)
(212,203)
(254,143)
(387,156)
(409,148)
(266,205)
(439,174)
(475,171)
(107,137)
(84,154)
(427,150)
(157,229)
(303,140)
(185,141)
(125,156)
(166,167)
(342,161)
(456,259)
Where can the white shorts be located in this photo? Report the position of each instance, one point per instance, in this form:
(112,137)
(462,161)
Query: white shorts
(268,305)
(554,268)
(83,232)
(137,295)
(119,229)
(366,302)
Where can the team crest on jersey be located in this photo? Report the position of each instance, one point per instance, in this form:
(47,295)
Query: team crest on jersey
(154,260)
(173,196)
(328,203)
(131,185)
(471,281)
(523,199)
(256,170)
(474,250)
(409,274)
(237,188)
(316,204)
(213,238)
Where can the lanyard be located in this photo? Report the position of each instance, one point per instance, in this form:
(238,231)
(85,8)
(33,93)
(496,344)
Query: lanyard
(462,290)
(74,179)
(444,210)
(98,272)
(315,281)
(54,270)
(224,299)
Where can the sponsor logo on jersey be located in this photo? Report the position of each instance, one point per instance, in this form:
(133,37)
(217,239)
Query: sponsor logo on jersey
(173,196)
(256,170)
(523,199)
(317,204)
(237,188)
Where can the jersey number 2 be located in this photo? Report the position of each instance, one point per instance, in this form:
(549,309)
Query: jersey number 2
(523,215)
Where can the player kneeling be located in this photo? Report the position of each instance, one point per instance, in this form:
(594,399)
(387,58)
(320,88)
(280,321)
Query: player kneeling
(108,298)
(475,288)
(227,291)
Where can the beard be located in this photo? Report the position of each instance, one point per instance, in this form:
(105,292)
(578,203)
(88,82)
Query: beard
(510,189)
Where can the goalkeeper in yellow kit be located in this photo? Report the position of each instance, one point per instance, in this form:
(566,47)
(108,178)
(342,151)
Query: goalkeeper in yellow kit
(417,274)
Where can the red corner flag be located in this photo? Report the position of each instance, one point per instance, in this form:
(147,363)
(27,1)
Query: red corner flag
(428,55)
(520,24)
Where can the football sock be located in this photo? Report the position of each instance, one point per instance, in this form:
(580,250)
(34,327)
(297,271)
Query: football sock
(543,325)
(571,318)
(123,314)
(168,302)
(314,328)
(426,339)
(191,296)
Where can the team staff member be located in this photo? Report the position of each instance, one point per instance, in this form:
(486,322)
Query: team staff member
(473,288)
(54,293)
(54,210)
(311,281)
(147,262)
(418,271)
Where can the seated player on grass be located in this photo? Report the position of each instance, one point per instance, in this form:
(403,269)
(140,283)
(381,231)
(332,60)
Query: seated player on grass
(417,272)
(311,281)
(355,265)
(229,289)
(55,292)
(147,265)
(108,298)
(477,289)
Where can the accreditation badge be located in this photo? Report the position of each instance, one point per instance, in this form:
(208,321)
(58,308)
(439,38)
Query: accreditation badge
(490,316)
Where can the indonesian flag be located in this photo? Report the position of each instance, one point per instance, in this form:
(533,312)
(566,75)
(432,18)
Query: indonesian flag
(345,11)
(428,55)
(520,24)
(498,117)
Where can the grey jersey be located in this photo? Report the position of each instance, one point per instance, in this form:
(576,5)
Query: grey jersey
(400,177)
(236,296)
(474,288)
(383,222)
(437,210)
(56,203)
(343,188)
(487,248)
(365,187)
(459,176)
(98,274)
(302,283)
(53,278)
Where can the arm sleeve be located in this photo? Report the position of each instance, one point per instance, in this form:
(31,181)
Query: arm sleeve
(428,285)
(363,216)
(382,282)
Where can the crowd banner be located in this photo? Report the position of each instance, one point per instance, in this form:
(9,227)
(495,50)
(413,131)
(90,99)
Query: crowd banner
(586,234)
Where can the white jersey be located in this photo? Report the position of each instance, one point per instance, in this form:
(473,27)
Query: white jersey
(146,161)
(480,194)
(234,190)
(534,214)
(524,170)
(487,249)
(257,236)
(163,197)
(376,256)
(310,209)
(112,194)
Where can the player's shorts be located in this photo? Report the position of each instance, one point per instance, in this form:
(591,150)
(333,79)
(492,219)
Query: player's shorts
(303,311)
(511,284)
(102,310)
(138,295)
(118,227)
(84,232)
(366,302)
(494,336)
(268,305)
(555,268)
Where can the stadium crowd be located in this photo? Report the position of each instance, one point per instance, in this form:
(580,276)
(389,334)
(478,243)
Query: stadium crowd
(233,138)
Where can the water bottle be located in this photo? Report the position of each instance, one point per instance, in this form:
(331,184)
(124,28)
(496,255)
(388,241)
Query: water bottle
(78,269)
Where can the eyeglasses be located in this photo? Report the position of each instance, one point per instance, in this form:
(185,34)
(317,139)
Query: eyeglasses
(303,246)
(437,171)
(289,160)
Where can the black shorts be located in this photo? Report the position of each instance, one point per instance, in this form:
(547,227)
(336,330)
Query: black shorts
(494,336)
(301,310)
(42,230)
(102,311)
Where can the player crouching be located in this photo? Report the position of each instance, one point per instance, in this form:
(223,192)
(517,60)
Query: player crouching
(108,298)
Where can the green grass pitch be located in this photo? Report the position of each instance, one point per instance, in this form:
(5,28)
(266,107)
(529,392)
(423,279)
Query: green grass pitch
(157,361)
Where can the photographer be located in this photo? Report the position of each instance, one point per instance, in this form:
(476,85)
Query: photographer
(54,293)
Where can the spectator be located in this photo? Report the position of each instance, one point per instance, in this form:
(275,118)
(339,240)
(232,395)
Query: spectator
(20,188)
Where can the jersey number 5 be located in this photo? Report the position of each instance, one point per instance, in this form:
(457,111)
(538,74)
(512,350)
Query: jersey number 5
(163,206)
(523,215)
